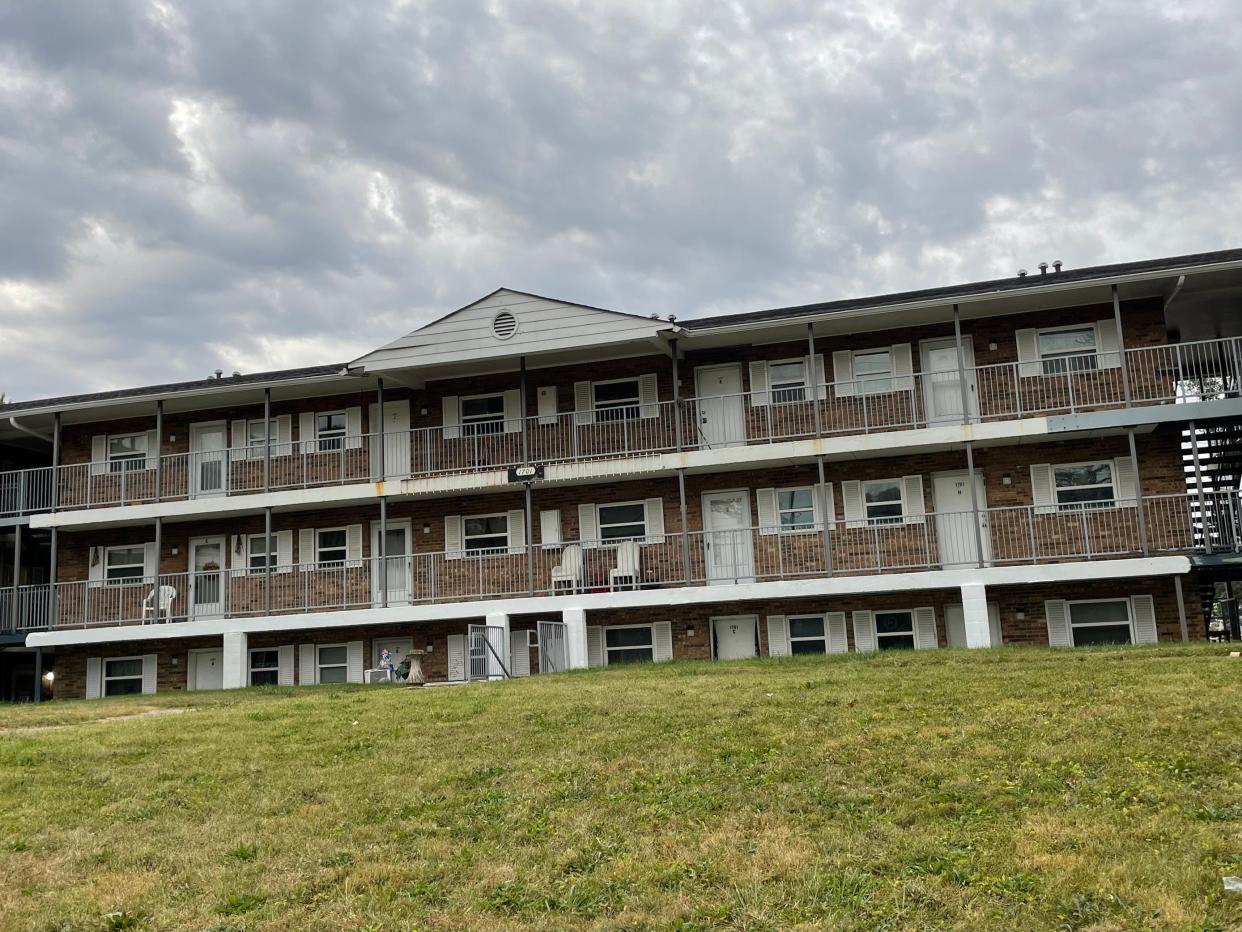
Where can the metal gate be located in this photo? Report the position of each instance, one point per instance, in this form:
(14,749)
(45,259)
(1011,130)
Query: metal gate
(552,651)
(488,652)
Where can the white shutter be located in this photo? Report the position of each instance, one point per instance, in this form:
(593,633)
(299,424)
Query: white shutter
(353,662)
(1042,493)
(239,437)
(1107,344)
(353,427)
(654,513)
(595,646)
(307,669)
(452,537)
(852,500)
(1056,613)
(456,658)
(546,400)
(517,531)
(284,551)
(648,395)
(758,384)
(519,653)
(284,435)
(307,555)
(306,432)
(95,564)
(903,367)
(588,526)
(778,636)
(1028,352)
(955,625)
(99,455)
(662,641)
(820,377)
(825,505)
(843,373)
(149,665)
(769,520)
(153,450)
(150,562)
(94,677)
(584,403)
(353,545)
(1125,482)
(284,665)
(449,417)
(925,629)
(550,527)
(1143,610)
(912,493)
(239,557)
(864,632)
(838,640)
(513,411)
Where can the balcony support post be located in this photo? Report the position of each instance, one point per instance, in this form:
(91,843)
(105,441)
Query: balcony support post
(1139,504)
(827,518)
(53,578)
(961,366)
(383,551)
(1121,352)
(267,563)
(267,444)
(159,446)
(56,460)
(976,517)
(812,380)
(530,549)
(1203,515)
(17,573)
(1181,608)
(159,549)
(379,467)
(672,348)
(38,675)
(523,420)
(685,530)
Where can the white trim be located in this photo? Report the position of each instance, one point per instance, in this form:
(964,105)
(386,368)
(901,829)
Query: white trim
(901,500)
(1069,616)
(612,541)
(794,616)
(816,519)
(250,668)
(490,551)
(320,564)
(104,678)
(1111,463)
(603,640)
(344,665)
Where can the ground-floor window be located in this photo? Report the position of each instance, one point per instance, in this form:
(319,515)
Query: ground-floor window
(122,676)
(333,664)
(894,630)
(807,635)
(1105,621)
(629,644)
(264,667)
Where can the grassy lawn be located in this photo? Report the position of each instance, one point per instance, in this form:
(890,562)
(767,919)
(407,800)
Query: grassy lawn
(1016,788)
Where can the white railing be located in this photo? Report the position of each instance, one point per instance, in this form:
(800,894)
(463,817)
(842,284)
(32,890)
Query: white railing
(996,536)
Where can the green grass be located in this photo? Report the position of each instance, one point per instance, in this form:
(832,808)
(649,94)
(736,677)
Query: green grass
(1018,788)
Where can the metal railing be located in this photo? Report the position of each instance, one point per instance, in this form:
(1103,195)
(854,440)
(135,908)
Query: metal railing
(1166,374)
(1011,535)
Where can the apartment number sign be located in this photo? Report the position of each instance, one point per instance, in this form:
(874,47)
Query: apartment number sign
(526,473)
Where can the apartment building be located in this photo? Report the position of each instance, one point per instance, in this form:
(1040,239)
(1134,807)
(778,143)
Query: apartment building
(529,485)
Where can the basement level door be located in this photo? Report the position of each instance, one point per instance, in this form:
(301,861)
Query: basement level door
(208,459)
(721,407)
(727,537)
(207,577)
(207,669)
(735,637)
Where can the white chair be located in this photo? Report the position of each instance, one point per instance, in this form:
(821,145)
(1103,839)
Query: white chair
(568,576)
(167,595)
(625,576)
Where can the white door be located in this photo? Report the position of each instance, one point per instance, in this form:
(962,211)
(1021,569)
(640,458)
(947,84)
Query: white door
(398,559)
(720,406)
(207,577)
(207,669)
(397,647)
(727,537)
(955,530)
(208,459)
(942,389)
(396,433)
(735,637)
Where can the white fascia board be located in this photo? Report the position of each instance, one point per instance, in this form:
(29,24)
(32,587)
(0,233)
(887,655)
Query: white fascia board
(824,587)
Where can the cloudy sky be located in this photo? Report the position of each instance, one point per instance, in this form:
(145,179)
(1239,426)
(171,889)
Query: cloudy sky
(252,184)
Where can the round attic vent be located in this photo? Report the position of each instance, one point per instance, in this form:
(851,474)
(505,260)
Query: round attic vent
(504,325)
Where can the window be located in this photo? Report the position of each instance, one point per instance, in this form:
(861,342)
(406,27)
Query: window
(482,414)
(796,509)
(125,564)
(882,501)
(333,664)
(1102,622)
(1084,485)
(331,547)
(894,630)
(122,677)
(485,533)
(255,443)
(629,644)
(261,557)
(1067,349)
(330,430)
(806,635)
(264,667)
(787,381)
(617,400)
(127,452)
(873,370)
(623,522)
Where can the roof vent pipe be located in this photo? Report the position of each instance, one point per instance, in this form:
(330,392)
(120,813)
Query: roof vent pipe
(1056,265)
(1043,268)
(1021,273)
(672,318)
(219,372)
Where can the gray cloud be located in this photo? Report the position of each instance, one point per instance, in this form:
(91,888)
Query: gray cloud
(188,186)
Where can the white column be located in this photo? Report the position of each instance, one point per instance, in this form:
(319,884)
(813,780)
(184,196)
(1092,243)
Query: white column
(975,615)
(236,659)
(498,620)
(575,638)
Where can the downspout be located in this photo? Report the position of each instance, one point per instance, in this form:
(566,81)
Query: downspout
(27,430)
